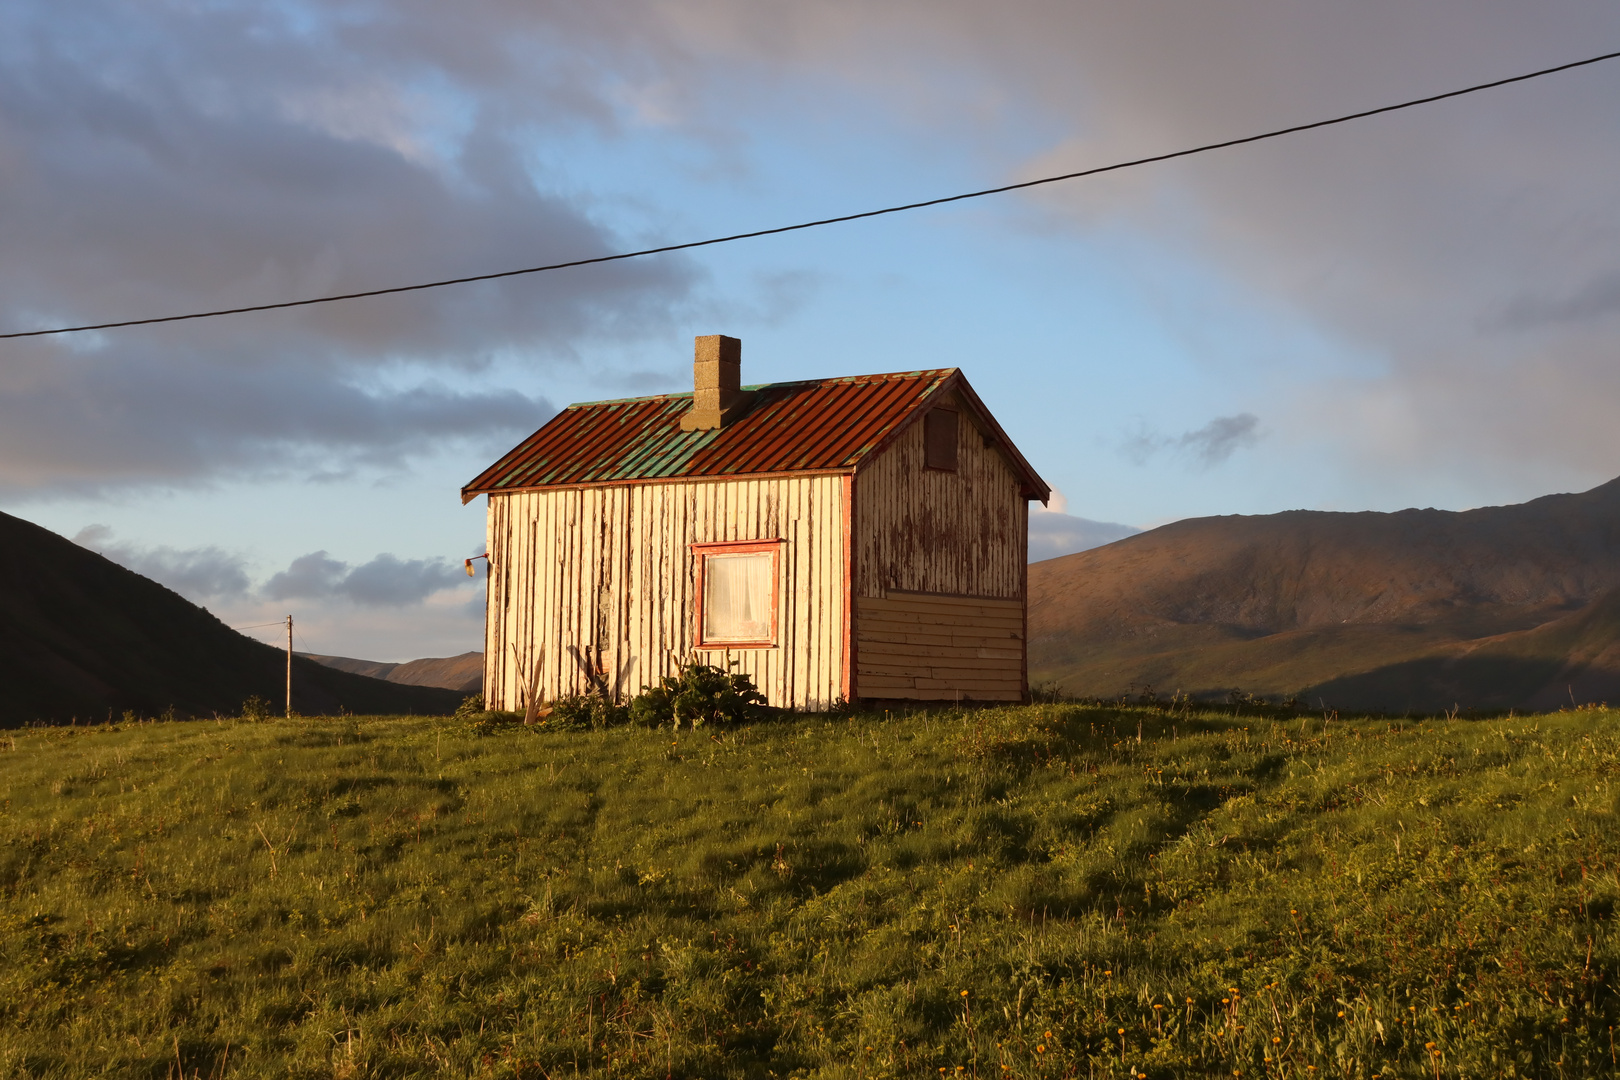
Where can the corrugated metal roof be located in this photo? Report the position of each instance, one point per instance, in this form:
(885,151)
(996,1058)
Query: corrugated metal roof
(819,425)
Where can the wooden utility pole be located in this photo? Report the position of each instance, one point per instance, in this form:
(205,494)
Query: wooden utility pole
(289,667)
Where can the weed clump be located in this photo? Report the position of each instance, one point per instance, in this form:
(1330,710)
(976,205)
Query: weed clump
(578,712)
(585,712)
(700,694)
(472,717)
(256,709)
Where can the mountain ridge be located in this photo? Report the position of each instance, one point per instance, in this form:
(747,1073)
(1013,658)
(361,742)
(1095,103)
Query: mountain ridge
(463,672)
(1318,603)
(87,639)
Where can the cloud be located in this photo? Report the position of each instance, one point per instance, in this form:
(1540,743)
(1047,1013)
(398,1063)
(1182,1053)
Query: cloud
(1215,441)
(85,428)
(311,576)
(210,574)
(160,159)
(1594,299)
(1209,446)
(198,574)
(1053,531)
(385,581)
(389,582)
(1461,258)
(386,608)
(1051,535)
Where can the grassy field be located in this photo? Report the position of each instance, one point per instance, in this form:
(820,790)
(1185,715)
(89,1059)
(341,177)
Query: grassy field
(1045,891)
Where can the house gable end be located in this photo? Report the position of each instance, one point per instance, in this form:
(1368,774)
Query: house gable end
(956,393)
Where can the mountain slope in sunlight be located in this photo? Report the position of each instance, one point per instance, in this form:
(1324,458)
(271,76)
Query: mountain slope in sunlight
(1497,607)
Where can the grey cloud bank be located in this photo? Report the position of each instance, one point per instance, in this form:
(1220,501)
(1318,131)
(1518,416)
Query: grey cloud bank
(385,581)
(210,574)
(155,160)
(1459,260)
(161,158)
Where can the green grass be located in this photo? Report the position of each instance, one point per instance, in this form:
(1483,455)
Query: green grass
(1036,892)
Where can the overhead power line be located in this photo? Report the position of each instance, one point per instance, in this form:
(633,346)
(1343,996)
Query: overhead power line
(689,245)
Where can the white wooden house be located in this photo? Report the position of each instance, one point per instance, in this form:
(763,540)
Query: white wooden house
(861,538)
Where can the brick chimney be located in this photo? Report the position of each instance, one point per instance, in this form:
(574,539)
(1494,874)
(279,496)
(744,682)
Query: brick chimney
(717,393)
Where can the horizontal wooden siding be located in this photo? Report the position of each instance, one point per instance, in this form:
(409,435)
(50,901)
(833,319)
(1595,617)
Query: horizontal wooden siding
(925,647)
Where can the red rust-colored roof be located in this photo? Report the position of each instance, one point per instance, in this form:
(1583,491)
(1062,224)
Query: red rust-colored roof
(819,425)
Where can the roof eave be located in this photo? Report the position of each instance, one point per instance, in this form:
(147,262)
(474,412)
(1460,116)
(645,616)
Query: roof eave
(468,494)
(1034,486)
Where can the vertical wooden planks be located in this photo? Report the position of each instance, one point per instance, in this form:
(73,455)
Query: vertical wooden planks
(927,530)
(611,569)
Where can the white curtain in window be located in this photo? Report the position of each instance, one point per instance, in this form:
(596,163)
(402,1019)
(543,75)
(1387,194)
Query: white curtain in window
(738,594)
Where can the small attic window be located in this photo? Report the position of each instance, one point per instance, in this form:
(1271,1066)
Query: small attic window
(939,439)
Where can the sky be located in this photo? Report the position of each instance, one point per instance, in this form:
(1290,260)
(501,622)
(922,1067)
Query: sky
(1420,309)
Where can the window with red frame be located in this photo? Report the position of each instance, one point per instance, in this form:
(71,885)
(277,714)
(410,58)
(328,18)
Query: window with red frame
(737,594)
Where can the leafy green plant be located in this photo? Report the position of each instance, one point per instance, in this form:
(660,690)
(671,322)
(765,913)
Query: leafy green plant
(583,712)
(472,717)
(700,694)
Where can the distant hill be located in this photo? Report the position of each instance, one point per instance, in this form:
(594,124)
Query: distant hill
(1507,606)
(463,673)
(85,638)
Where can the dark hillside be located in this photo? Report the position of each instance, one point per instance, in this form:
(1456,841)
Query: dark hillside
(1416,609)
(84,638)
